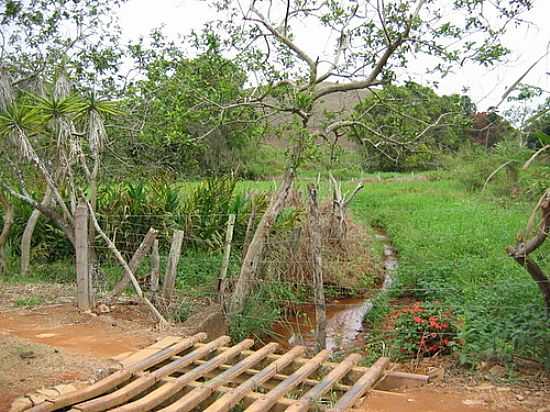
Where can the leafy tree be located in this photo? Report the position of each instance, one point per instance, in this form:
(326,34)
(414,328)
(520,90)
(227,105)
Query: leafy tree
(37,35)
(407,127)
(372,42)
(179,108)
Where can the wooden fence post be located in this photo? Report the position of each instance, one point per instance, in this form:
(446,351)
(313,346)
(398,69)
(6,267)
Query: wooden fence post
(171,268)
(249,225)
(315,252)
(155,268)
(85,299)
(226,256)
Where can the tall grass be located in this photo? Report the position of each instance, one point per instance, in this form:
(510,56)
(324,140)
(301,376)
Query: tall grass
(451,249)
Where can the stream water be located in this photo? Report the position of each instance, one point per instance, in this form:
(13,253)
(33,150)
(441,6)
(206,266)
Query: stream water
(344,316)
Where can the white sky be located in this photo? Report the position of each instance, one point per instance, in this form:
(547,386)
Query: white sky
(486,85)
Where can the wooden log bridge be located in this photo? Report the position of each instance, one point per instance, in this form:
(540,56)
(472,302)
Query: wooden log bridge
(184,374)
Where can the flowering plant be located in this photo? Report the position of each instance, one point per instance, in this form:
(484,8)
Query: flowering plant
(424,330)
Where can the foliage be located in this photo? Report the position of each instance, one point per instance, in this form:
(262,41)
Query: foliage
(473,165)
(178,107)
(424,330)
(261,310)
(39,35)
(422,125)
(29,302)
(452,249)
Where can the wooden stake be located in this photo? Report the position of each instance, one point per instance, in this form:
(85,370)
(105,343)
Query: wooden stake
(325,385)
(118,378)
(361,386)
(83,281)
(155,267)
(226,256)
(198,395)
(146,381)
(166,391)
(287,385)
(173,259)
(249,225)
(234,396)
(127,269)
(318,284)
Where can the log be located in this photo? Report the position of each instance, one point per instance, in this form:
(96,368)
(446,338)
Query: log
(226,256)
(140,253)
(171,268)
(234,396)
(366,382)
(198,395)
(325,385)
(84,286)
(146,381)
(105,385)
(127,269)
(290,383)
(166,391)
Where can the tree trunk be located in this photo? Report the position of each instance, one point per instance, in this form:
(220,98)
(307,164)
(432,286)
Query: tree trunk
(255,249)
(318,284)
(521,251)
(26,239)
(6,227)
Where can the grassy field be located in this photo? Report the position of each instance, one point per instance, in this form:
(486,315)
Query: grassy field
(451,248)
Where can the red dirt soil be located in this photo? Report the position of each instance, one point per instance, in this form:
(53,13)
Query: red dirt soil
(84,337)
(63,327)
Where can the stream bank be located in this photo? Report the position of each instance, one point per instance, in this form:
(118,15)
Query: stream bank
(344,316)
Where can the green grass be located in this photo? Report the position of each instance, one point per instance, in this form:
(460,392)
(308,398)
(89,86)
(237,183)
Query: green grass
(452,249)
(29,302)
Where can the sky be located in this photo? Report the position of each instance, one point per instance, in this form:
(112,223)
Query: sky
(485,85)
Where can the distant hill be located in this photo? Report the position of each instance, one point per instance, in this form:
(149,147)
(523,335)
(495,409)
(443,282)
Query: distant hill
(342,103)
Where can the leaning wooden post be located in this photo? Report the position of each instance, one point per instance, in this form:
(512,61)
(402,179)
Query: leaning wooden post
(315,253)
(128,272)
(85,299)
(139,255)
(173,259)
(226,256)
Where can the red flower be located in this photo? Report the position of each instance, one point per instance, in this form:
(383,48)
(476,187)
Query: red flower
(418,319)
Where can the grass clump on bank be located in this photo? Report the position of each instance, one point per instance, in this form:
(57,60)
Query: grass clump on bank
(451,247)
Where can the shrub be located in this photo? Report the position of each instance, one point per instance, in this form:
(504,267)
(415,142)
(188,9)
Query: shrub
(425,330)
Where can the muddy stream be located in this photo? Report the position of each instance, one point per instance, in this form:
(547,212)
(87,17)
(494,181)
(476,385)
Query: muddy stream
(344,316)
